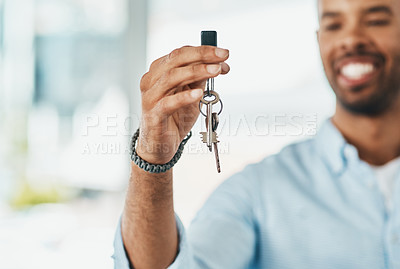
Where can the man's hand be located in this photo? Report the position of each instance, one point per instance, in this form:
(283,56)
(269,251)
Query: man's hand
(171,91)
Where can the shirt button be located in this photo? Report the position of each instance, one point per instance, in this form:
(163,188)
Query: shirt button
(350,152)
(347,152)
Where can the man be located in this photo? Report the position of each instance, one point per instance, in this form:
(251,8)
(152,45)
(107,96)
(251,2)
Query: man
(330,202)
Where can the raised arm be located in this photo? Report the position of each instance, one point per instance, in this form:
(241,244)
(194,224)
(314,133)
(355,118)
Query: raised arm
(170,91)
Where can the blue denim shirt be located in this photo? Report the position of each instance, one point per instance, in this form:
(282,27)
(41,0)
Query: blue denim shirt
(313,205)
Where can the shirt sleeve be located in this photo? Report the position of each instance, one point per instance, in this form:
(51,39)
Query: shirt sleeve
(223,233)
(120,256)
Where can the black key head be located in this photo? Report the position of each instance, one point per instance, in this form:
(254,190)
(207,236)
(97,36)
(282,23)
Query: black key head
(209,38)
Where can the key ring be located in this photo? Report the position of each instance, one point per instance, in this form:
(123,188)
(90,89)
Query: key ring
(214,101)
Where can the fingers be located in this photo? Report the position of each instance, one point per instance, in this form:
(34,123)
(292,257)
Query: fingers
(189,55)
(193,75)
(169,104)
(183,57)
(186,75)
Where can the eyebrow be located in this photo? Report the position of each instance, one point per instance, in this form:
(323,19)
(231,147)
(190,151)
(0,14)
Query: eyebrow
(330,14)
(378,9)
(374,9)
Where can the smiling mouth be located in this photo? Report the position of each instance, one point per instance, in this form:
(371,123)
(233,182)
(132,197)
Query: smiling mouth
(356,72)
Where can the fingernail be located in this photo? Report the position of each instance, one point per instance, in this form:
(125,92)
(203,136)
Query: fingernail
(213,68)
(221,53)
(225,68)
(196,93)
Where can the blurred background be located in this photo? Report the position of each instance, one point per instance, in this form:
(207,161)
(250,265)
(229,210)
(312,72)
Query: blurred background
(69,102)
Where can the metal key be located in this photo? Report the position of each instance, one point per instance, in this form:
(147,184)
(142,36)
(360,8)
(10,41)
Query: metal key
(206,136)
(211,129)
(214,137)
(212,121)
(209,119)
(215,122)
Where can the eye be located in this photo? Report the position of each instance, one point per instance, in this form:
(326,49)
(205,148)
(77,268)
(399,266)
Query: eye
(377,22)
(333,27)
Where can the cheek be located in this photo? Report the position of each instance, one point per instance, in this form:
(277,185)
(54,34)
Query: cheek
(395,51)
(325,49)
(391,52)
(388,43)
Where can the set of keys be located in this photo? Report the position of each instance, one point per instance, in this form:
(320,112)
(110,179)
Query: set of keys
(209,99)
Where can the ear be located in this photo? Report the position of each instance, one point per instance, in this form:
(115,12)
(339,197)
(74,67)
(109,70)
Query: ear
(317,35)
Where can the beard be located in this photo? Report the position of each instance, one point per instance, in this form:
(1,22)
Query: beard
(374,105)
(380,99)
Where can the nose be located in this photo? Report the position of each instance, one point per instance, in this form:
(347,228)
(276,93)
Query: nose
(354,39)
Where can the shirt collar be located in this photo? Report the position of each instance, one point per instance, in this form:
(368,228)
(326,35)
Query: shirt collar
(334,149)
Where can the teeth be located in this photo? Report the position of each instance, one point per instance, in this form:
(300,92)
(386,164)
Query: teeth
(357,70)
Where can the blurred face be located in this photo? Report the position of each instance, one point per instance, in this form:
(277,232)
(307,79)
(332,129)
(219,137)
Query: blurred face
(360,49)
